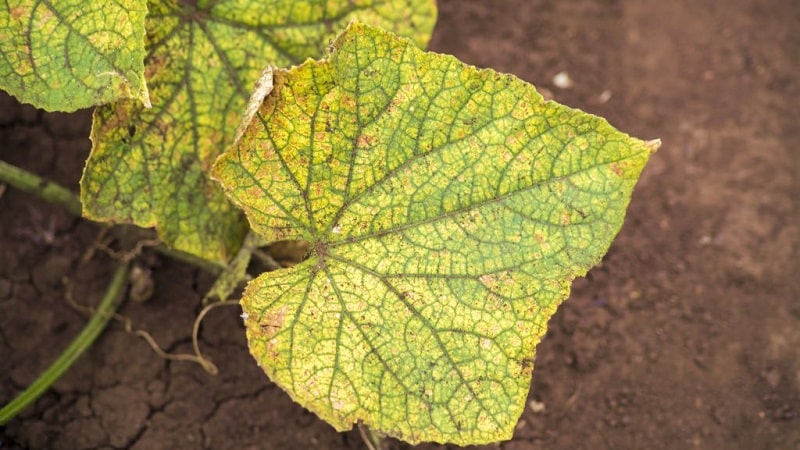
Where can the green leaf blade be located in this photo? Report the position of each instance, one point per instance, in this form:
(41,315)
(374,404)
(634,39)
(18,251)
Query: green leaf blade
(446,375)
(203,61)
(70,55)
(448,209)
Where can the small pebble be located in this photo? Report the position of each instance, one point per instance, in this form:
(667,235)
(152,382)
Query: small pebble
(142,284)
(536,407)
(562,80)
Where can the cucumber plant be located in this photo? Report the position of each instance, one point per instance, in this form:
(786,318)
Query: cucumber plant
(445,209)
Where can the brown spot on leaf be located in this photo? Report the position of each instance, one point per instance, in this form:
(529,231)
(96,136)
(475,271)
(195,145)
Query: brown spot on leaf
(526,366)
(272,322)
(365,141)
(17,12)
(616,168)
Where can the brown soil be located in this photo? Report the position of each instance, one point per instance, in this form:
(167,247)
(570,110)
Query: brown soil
(687,336)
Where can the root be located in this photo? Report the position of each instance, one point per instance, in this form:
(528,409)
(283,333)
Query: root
(127,325)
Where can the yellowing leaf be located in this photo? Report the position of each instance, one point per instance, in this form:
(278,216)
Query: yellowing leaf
(447,210)
(70,54)
(149,166)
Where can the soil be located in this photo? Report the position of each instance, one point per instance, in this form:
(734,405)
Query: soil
(686,336)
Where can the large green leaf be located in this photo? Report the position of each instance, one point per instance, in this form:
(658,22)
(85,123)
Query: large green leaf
(149,166)
(73,54)
(447,210)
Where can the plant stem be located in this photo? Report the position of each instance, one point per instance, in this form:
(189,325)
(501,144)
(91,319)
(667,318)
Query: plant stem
(28,182)
(208,266)
(97,323)
(55,193)
(372,439)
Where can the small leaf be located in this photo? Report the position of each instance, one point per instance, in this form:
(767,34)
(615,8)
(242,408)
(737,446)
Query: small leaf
(149,166)
(73,54)
(447,210)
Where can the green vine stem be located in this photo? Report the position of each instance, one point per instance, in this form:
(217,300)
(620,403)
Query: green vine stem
(97,323)
(55,193)
(28,182)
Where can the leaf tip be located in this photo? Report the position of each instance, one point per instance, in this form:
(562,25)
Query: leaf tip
(653,145)
(262,88)
(146,97)
(146,100)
